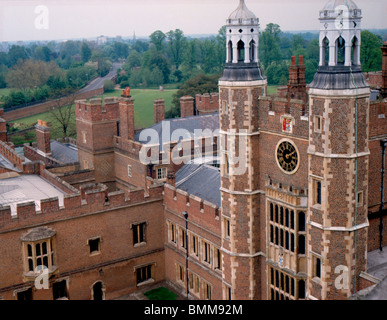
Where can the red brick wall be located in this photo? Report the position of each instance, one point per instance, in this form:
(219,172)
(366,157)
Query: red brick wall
(74,224)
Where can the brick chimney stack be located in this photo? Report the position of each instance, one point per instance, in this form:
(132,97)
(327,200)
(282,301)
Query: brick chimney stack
(297,83)
(43,137)
(159,110)
(126,113)
(187,106)
(384,71)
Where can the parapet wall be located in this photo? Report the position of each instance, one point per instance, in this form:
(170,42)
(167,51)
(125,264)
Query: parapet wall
(7,150)
(378,118)
(96,110)
(91,199)
(273,110)
(207,103)
(199,211)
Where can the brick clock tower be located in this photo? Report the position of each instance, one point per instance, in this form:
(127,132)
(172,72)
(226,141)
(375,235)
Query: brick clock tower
(338,158)
(240,87)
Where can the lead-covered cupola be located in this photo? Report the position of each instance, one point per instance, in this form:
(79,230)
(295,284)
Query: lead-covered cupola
(242,62)
(340,39)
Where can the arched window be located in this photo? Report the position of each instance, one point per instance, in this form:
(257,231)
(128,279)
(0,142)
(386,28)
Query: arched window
(252,51)
(230,52)
(355,51)
(301,221)
(325,51)
(241,51)
(340,47)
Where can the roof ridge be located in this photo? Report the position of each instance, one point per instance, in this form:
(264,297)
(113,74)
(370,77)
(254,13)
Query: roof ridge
(200,166)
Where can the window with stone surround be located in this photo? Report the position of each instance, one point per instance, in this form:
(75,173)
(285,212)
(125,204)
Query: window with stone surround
(207,290)
(194,246)
(317,124)
(129,171)
(139,233)
(317,191)
(283,286)
(282,227)
(172,232)
(206,252)
(144,274)
(316,266)
(94,245)
(161,173)
(180,273)
(217,259)
(38,251)
(193,282)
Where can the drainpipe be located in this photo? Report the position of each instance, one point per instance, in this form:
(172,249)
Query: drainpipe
(383,144)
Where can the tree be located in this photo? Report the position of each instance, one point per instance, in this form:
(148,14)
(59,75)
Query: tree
(176,44)
(30,74)
(269,44)
(63,113)
(15,54)
(108,86)
(85,52)
(157,39)
(134,60)
(370,53)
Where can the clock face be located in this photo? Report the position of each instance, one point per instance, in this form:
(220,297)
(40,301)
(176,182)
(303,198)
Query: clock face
(287,157)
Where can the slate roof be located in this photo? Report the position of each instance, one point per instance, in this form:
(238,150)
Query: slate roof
(166,130)
(64,152)
(200,180)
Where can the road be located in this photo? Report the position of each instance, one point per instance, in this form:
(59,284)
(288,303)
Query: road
(99,82)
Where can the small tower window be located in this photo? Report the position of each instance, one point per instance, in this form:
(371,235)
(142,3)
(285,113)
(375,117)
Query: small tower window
(355,51)
(241,51)
(325,48)
(252,51)
(230,52)
(340,46)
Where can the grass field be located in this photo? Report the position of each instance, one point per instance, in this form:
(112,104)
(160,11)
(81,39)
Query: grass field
(5,92)
(143,109)
(143,103)
(160,294)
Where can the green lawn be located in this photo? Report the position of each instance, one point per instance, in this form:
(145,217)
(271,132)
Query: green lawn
(143,103)
(5,92)
(160,294)
(272,90)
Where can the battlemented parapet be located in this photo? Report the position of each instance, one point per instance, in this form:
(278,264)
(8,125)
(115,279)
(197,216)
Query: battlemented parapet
(7,150)
(207,103)
(96,110)
(200,212)
(91,199)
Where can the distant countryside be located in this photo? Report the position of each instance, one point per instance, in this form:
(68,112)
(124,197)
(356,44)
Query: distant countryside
(36,72)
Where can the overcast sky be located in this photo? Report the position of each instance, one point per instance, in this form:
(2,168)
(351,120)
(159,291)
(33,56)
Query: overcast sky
(64,19)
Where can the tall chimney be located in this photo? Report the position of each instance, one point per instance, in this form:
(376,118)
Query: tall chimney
(187,106)
(159,110)
(43,137)
(126,113)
